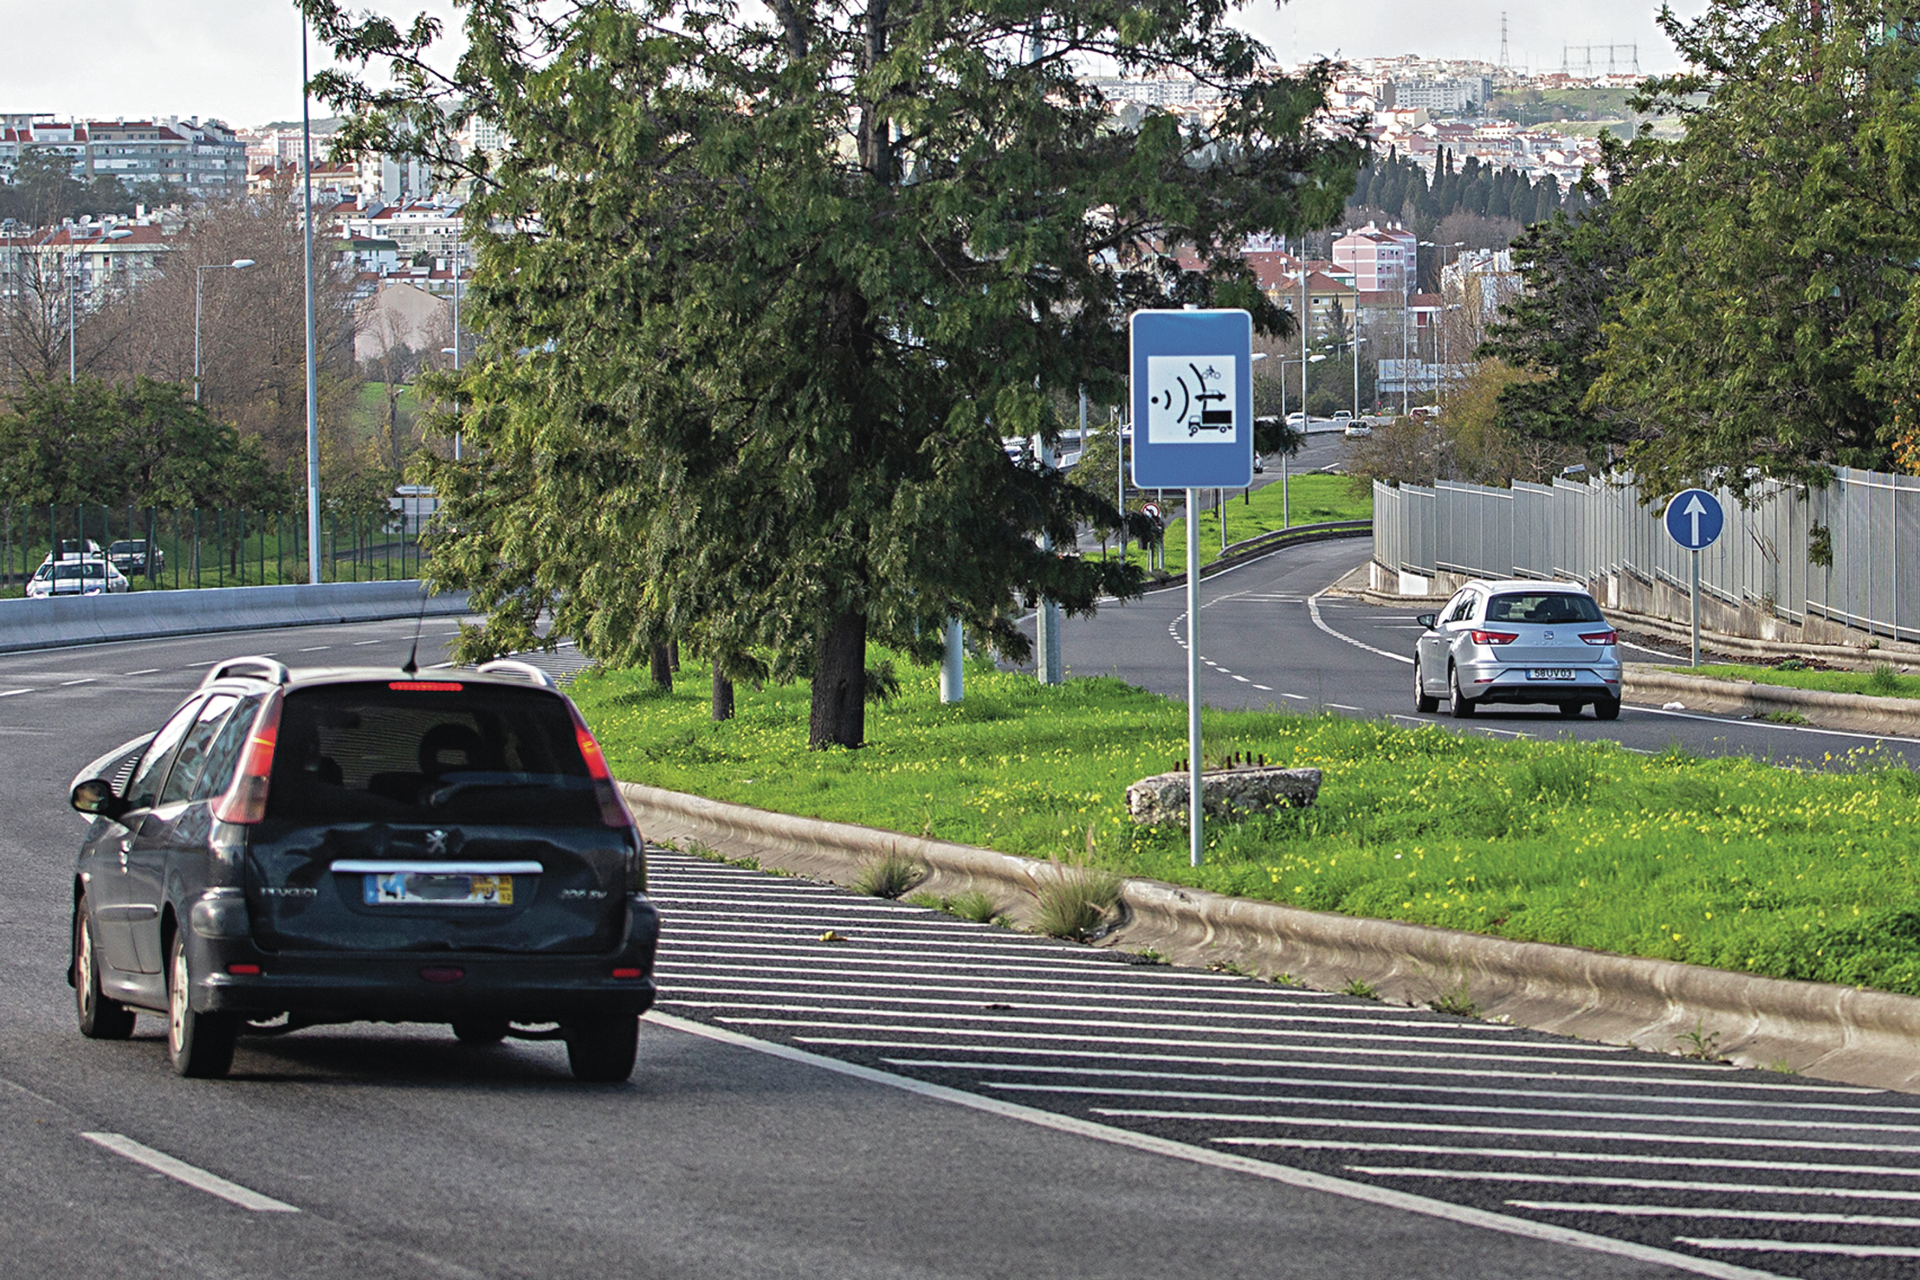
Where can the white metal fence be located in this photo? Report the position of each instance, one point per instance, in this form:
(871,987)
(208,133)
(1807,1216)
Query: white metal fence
(1764,559)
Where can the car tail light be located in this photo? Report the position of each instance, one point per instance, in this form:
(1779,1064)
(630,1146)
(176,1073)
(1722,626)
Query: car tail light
(426,686)
(1601,637)
(626,973)
(244,970)
(613,807)
(246,800)
(1495,637)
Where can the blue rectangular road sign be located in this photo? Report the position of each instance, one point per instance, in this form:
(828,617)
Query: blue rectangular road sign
(1192,378)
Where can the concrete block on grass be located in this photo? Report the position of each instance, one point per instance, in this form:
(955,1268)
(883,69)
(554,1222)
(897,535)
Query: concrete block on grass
(1225,793)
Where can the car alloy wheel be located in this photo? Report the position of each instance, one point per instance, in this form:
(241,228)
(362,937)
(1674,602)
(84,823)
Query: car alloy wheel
(100,1018)
(1423,702)
(199,1044)
(1458,703)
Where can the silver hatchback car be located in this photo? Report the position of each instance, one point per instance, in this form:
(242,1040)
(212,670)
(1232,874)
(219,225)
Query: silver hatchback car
(1518,641)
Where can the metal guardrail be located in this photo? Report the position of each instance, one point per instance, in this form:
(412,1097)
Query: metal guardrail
(153,615)
(1868,523)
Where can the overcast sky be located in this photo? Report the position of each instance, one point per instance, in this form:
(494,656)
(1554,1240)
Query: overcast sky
(239,60)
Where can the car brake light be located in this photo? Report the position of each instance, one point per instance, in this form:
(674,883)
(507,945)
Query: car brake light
(613,807)
(425,686)
(246,800)
(244,970)
(1601,637)
(1495,637)
(626,973)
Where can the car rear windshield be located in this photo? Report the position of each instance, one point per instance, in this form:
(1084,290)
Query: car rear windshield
(472,753)
(1545,606)
(94,570)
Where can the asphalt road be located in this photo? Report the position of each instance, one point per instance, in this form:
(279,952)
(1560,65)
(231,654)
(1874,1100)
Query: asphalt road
(1270,636)
(1737,1171)
(372,1151)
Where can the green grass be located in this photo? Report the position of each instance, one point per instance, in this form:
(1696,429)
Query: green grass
(1311,499)
(1725,862)
(1881,682)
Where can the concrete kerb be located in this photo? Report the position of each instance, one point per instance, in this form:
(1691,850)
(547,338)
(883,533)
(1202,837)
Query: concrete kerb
(1819,1030)
(1857,712)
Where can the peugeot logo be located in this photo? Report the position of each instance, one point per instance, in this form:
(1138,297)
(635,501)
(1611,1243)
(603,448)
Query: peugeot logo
(436,842)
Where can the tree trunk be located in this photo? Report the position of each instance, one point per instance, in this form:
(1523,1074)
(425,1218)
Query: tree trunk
(662,668)
(673,654)
(839,716)
(722,696)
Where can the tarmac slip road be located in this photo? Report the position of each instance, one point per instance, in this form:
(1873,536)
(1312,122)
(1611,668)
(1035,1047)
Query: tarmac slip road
(1680,1165)
(375,1151)
(1271,634)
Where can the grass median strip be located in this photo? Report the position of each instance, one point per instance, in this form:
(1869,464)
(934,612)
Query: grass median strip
(1727,862)
(1881,682)
(1310,499)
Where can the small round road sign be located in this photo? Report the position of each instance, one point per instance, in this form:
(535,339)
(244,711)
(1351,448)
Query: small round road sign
(1694,519)
(1151,510)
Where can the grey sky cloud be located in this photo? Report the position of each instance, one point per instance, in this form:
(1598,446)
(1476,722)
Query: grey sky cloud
(239,60)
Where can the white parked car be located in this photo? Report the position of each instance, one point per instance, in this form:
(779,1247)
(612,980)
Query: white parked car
(1357,430)
(76,577)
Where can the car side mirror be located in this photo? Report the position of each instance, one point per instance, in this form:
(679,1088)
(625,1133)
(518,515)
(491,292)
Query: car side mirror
(95,796)
(1427,620)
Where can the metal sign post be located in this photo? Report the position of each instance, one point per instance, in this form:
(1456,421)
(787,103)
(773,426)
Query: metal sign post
(1192,383)
(1694,519)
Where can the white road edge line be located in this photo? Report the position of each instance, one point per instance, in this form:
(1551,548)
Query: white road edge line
(14,693)
(181,1171)
(1237,1164)
(1313,610)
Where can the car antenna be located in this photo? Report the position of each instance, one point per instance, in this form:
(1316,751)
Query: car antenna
(412,667)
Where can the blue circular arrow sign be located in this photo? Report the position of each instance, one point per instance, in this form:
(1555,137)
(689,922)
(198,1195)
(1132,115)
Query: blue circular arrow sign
(1695,518)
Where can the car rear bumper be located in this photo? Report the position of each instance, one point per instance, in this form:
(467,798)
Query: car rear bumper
(426,986)
(1501,682)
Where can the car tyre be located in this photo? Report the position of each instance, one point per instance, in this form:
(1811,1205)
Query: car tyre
(1459,705)
(100,1018)
(1422,702)
(1607,709)
(1570,710)
(200,1045)
(602,1050)
(479,1033)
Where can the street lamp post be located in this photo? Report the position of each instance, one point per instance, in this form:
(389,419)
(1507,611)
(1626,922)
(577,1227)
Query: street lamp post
(199,275)
(313,378)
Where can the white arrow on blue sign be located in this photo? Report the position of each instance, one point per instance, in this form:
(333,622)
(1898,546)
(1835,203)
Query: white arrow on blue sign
(1192,399)
(1695,518)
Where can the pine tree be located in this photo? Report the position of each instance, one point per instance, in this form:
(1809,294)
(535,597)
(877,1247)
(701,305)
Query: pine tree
(765,288)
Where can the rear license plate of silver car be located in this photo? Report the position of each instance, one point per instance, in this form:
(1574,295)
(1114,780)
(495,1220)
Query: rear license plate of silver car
(1549,673)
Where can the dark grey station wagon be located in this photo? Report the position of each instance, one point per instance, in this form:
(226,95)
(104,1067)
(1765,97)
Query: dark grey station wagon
(297,848)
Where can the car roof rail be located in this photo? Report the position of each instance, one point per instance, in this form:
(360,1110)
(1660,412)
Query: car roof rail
(273,672)
(525,670)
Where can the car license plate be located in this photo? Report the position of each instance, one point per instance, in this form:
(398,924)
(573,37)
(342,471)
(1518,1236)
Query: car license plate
(1549,673)
(417,888)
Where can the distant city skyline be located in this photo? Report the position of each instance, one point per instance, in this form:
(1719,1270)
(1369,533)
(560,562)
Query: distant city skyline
(239,60)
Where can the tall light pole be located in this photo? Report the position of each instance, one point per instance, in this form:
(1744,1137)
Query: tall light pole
(313,382)
(199,275)
(454,350)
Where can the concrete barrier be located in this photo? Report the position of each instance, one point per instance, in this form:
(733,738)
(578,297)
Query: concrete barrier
(1817,1029)
(153,615)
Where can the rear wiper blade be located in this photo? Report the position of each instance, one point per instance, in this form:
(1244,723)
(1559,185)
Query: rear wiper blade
(497,782)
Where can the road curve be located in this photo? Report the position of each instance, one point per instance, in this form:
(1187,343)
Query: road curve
(1272,635)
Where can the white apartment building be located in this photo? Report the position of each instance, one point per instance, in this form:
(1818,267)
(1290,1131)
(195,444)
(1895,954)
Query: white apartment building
(204,157)
(1378,259)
